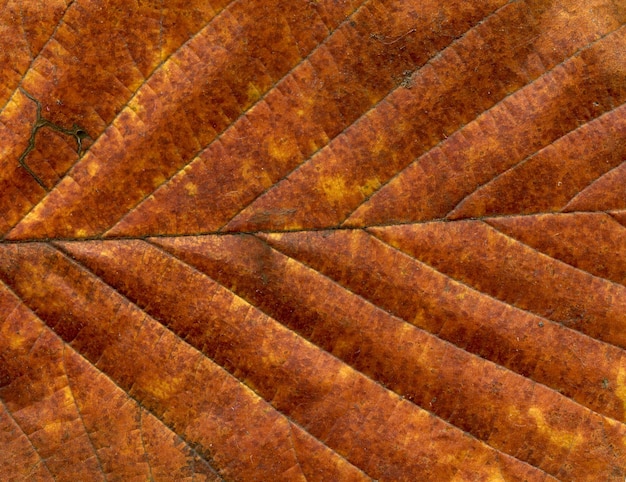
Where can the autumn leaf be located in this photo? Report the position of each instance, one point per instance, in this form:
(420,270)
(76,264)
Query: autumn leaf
(313,240)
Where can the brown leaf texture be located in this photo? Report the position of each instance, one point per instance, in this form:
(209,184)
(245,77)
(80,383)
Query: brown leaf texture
(330,240)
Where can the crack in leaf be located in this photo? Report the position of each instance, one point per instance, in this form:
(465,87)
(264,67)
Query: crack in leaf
(77,132)
(386,40)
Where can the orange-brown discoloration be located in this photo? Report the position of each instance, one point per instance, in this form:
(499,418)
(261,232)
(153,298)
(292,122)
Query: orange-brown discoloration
(295,240)
(283,367)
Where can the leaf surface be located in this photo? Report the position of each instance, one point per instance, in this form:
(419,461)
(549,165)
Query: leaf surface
(313,240)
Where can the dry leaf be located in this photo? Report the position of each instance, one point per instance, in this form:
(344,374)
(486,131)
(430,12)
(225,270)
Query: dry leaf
(313,240)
